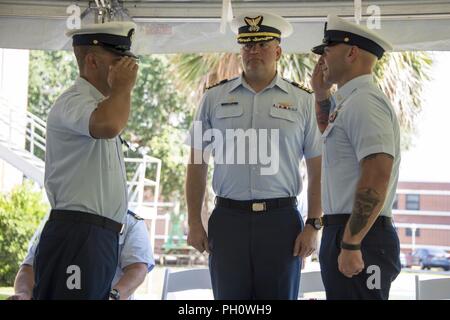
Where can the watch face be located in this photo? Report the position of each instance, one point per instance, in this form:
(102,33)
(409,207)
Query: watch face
(114,294)
(317,224)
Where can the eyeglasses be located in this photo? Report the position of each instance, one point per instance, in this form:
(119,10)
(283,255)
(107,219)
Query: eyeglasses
(257,45)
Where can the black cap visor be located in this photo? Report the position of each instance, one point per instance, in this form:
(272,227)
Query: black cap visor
(123,53)
(333,37)
(320,48)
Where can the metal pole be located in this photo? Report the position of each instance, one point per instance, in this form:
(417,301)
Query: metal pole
(10,127)
(32,137)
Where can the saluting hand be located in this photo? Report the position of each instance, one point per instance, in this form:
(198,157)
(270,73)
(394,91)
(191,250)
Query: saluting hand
(319,85)
(197,237)
(350,262)
(122,75)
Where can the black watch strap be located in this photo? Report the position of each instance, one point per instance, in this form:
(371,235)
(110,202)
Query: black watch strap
(348,246)
(315,222)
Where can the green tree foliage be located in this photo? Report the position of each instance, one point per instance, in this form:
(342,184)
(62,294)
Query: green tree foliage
(159,117)
(401,75)
(50,73)
(21,211)
(159,122)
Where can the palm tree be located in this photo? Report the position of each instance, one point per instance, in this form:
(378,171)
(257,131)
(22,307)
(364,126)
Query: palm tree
(400,75)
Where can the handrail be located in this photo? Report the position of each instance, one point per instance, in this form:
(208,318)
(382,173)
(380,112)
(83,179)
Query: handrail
(32,130)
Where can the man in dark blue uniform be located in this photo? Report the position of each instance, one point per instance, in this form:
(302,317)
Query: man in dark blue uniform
(85,176)
(255,236)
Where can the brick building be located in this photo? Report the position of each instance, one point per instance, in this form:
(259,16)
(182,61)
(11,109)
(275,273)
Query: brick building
(425,208)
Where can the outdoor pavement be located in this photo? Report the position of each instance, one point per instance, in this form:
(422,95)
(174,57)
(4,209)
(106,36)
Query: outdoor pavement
(403,288)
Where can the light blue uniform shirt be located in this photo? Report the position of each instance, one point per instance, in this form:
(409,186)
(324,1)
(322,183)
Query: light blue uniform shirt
(134,247)
(365,123)
(281,106)
(83,173)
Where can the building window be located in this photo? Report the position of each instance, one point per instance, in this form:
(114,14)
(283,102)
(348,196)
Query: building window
(412,202)
(408,232)
(395,203)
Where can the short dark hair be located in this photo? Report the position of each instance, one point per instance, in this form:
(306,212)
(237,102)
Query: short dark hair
(81,52)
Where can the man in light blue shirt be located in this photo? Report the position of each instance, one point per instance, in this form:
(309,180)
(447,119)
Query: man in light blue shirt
(359,254)
(135,261)
(258,127)
(84,167)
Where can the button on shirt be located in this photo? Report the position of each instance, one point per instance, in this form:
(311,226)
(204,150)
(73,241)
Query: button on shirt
(83,173)
(134,247)
(282,119)
(362,122)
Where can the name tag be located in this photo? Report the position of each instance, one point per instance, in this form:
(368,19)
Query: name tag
(224,104)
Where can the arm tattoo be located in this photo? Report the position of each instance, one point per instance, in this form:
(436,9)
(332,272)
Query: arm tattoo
(365,201)
(323,114)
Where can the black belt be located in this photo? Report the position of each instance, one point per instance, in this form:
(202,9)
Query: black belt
(341,219)
(256,205)
(79,216)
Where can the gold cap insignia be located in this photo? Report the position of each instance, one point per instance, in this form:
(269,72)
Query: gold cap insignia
(253,23)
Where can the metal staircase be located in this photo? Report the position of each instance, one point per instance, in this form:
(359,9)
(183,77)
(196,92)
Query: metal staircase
(22,140)
(22,144)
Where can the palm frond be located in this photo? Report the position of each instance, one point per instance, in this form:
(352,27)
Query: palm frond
(401,76)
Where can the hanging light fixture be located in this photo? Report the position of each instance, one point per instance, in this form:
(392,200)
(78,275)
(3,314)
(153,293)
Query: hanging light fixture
(101,11)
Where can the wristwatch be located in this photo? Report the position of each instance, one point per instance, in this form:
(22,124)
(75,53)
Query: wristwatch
(114,294)
(315,222)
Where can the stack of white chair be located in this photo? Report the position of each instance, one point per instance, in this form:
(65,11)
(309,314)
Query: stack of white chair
(432,289)
(190,279)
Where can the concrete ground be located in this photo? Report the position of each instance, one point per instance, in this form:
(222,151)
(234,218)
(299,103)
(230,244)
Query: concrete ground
(403,288)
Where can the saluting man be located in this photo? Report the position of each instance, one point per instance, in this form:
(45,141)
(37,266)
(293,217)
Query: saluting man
(359,254)
(84,168)
(255,233)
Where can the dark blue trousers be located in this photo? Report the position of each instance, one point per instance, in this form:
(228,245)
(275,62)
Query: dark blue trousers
(381,252)
(93,251)
(251,254)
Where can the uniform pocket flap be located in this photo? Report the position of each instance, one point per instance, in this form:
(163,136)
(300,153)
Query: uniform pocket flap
(229,111)
(282,114)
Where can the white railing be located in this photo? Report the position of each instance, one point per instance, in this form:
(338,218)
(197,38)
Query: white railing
(424,192)
(423,213)
(22,129)
(414,226)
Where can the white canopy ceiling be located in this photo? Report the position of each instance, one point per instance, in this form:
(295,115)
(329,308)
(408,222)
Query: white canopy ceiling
(194,26)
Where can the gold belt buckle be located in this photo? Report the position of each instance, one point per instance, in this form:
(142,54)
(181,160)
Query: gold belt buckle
(258,206)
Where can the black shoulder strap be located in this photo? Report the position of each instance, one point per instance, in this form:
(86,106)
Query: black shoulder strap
(300,86)
(217,84)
